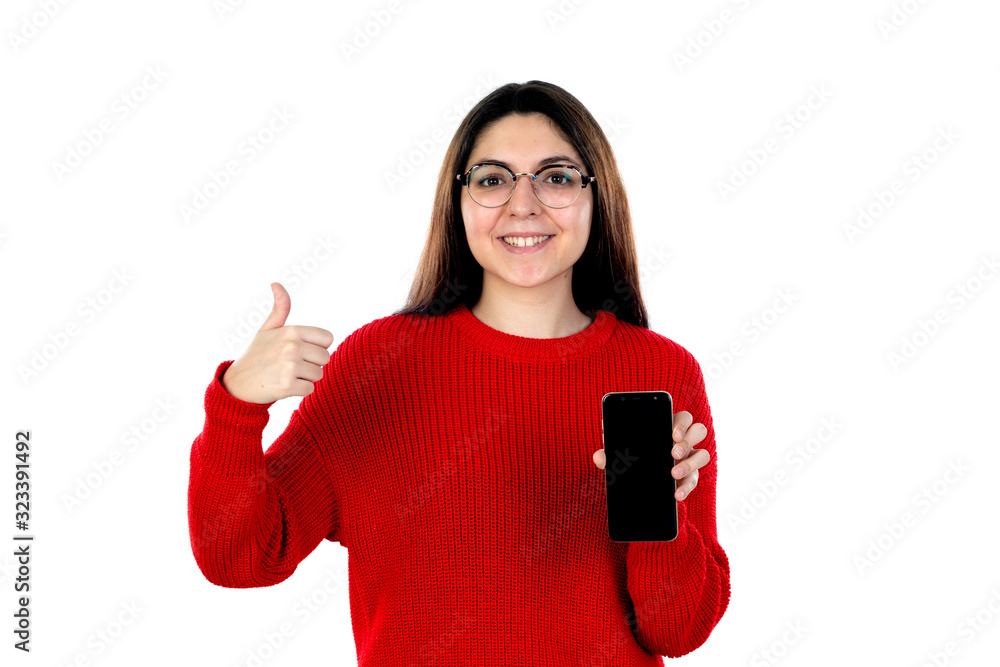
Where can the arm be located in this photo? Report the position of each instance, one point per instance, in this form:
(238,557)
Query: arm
(253,516)
(680,589)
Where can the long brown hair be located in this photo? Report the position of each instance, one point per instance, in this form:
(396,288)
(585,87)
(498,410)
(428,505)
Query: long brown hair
(606,277)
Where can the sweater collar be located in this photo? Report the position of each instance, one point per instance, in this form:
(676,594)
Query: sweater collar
(474,332)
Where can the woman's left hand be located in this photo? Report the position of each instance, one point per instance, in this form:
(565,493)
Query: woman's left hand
(686,436)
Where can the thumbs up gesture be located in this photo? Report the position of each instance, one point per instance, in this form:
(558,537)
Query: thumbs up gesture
(281,360)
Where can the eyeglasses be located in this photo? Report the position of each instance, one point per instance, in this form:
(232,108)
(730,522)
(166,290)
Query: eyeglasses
(556,185)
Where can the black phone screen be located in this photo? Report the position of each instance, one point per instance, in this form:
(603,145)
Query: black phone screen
(636,428)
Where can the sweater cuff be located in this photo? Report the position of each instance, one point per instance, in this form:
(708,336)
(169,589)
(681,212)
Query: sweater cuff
(230,425)
(682,559)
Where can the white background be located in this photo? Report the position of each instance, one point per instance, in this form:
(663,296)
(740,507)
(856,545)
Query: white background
(711,265)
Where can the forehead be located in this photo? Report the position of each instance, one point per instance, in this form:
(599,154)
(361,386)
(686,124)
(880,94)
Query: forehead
(523,137)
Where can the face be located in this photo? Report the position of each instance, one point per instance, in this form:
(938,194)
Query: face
(522,142)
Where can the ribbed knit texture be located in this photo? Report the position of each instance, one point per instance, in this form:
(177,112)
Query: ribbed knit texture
(454,462)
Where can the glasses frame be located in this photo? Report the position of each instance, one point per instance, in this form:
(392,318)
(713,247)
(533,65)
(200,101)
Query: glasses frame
(584,180)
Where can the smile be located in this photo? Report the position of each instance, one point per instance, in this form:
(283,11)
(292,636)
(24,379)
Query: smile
(524,243)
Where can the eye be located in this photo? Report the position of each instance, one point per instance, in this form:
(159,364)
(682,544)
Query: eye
(559,176)
(488,177)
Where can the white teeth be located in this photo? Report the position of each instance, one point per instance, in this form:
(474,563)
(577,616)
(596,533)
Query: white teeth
(521,241)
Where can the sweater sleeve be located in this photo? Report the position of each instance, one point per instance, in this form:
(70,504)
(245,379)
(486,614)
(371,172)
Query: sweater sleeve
(253,515)
(680,589)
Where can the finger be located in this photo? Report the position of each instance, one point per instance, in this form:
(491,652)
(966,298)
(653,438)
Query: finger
(682,420)
(314,335)
(302,388)
(686,486)
(307,371)
(315,354)
(279,312)
(694,434)
(698,459)
(599,458)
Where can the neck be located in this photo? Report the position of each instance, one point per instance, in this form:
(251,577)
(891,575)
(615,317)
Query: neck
(536,312)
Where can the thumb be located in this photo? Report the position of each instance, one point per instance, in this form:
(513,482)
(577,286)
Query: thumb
(600,459)
(282,304)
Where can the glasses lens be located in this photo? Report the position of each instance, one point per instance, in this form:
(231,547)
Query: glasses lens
(559,187)
(490,185)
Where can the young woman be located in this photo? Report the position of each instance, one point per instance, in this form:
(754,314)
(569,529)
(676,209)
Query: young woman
(453,447)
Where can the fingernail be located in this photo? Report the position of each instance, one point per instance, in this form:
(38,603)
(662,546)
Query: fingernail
(678,472)
(677,452)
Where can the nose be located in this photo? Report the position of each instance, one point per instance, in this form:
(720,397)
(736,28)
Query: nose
(524,200)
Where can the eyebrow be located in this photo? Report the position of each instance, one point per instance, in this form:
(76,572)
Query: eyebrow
(554,159)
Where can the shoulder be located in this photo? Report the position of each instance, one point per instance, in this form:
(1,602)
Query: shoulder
(388,335)
(655,347)
(371,355)
(663,362)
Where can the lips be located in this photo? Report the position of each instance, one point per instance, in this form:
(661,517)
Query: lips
(525,241)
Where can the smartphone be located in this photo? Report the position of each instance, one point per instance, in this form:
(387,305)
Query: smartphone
(636,429)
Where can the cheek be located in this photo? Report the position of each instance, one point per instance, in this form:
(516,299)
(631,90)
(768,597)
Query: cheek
(477,225)
(480,219)
(580,220)
(582,224)
(469,221)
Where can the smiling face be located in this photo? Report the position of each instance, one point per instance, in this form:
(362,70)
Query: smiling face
(524,143)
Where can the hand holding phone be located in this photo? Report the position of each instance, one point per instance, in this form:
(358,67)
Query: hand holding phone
(636,428)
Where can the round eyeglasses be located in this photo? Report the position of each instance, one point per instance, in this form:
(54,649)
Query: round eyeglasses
(556,185)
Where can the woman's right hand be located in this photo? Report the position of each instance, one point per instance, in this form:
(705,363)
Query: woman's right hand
(281,361)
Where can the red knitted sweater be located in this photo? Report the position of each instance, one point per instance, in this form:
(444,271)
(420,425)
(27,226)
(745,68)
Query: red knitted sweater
(454,462)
